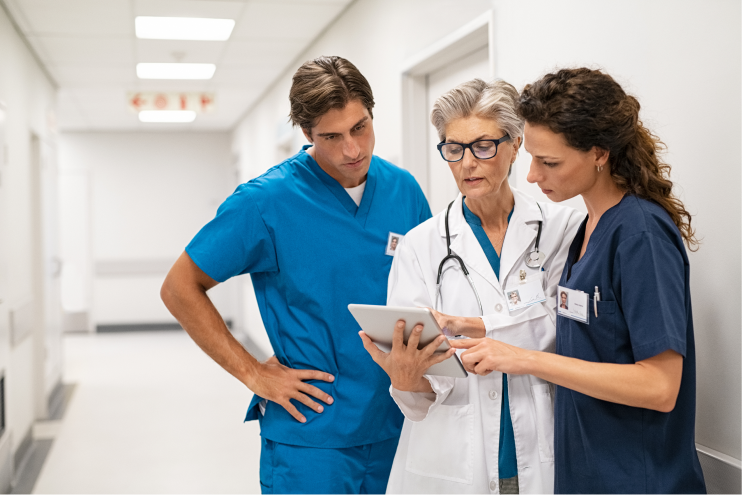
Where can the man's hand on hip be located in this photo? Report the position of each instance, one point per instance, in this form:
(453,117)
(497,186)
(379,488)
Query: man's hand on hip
(184,294)
(280,384)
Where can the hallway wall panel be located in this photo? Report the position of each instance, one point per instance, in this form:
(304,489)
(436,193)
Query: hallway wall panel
(150,193)
(27,103)
(683,65)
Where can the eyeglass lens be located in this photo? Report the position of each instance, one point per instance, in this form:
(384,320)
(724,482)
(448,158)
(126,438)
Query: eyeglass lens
(453,152)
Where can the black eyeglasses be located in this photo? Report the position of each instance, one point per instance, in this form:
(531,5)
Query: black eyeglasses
(482,149)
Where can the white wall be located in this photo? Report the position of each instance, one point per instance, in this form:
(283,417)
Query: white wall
(683,64)
(149,194)
(682,61)
(29,97)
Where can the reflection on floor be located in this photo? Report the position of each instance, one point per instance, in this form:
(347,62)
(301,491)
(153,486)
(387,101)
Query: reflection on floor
(151,413)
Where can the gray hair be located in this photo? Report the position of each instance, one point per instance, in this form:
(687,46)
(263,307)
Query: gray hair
(496,100)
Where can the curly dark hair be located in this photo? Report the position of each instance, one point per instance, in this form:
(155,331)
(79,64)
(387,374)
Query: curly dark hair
(589,108)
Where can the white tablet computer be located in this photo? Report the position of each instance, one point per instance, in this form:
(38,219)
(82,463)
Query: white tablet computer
(378,322)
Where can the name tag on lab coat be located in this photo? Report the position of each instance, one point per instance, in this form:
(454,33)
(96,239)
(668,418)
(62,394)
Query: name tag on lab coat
(573,304)
(525,294)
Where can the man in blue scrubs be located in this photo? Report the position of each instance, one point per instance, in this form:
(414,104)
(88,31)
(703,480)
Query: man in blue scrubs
(313,232)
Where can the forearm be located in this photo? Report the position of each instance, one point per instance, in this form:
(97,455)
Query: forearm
(640,384)
(200,318)
(472,327)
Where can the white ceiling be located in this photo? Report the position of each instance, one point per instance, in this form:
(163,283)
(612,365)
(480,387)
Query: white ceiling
(89,48)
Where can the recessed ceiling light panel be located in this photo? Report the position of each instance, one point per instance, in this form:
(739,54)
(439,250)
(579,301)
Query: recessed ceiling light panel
(167,116)
(175,71)
(183,28)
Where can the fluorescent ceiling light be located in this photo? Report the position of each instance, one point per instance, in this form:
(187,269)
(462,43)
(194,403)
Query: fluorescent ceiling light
(183,28)
(175,71)
(167,115)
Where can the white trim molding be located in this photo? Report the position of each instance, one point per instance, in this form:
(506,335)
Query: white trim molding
(23,319)
(476,34)
(6,462)
(722,472)
(470,37)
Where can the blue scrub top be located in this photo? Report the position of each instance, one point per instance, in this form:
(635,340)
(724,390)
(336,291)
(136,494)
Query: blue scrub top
(507,459)
(310,252)
(637,259)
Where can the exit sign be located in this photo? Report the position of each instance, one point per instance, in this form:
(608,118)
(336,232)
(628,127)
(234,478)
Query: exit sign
(149,100)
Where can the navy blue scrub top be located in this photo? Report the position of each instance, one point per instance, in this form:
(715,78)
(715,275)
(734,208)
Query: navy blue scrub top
(311,251)
(507,459)
(637,259)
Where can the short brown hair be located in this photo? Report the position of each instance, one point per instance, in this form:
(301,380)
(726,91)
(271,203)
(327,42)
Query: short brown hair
(323,84)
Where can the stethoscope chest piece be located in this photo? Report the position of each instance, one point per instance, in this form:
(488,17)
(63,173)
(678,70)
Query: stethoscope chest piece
(535,259)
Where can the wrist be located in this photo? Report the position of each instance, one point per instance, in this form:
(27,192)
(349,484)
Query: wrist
(472,327)
(531,363)
(422,385)
(476,327)
(406,386)
(250,373)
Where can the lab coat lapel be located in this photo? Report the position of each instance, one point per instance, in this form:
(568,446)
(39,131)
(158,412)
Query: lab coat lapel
(465,244)
(521,234)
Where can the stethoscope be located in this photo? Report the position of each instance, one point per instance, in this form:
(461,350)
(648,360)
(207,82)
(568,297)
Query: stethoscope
(534,259)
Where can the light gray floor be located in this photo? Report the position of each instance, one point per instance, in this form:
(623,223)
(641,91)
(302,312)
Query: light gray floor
(151,413)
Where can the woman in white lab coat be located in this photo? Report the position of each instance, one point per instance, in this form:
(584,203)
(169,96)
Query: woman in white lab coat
(451,440)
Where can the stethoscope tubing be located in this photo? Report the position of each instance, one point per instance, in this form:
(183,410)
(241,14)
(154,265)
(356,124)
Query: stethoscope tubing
(452,256)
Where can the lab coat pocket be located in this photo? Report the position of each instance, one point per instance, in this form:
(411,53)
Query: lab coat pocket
(441,445)
(543,401)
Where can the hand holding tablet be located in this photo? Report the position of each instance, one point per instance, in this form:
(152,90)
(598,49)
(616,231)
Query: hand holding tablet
(406,350)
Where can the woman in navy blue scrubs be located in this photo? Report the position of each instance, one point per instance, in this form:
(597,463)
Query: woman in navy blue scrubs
(626,379)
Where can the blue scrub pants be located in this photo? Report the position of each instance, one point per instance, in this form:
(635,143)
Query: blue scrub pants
(288,469)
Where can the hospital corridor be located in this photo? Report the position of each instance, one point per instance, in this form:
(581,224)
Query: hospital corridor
(130,423)
(213,214)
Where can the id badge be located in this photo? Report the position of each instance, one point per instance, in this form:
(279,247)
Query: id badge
(527,293)
(391,243)
(573,304)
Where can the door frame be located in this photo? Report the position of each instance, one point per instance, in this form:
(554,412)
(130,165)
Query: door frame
(6,452)
(476,34)
(47,265)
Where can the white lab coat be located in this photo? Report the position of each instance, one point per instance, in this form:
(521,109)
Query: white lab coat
(450,438)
